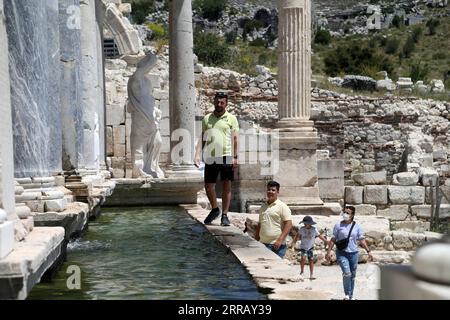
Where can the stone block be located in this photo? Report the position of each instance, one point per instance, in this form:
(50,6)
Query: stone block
(115,115)
(395,212)
(57,205)
(424,211)
(354,195)
(109,141)
(406,195)
(161,94)
(119,150)
(118,173)
(374,194)
(165,127)
(118,162)
(405,179)
(35,205)
(165,147)
(330,169)
(119,134)
(163,105)
(331,189)
(6,238)
(370,178)
(411,226)
(427,175)
(365,210)
(23,211)
(155,80)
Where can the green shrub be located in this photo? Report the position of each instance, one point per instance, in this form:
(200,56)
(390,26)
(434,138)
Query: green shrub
(439,55)
(258,42)
(210,9)
(419,71)
(158,31)
(230,37)
(141,9)
(248,25)
(356,58)
(210,49)
(392,45)
(408,48)
(417,33)
(432,25)
(398,21)
(322,37)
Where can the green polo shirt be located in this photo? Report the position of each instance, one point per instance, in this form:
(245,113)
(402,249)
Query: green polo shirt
(218,134)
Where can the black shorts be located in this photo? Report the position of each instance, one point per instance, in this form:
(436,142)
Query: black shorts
(223,166)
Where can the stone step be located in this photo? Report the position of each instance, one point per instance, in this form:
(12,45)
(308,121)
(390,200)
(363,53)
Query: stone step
(25,265)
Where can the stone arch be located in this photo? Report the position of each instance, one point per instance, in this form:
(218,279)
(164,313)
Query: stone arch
(125,36)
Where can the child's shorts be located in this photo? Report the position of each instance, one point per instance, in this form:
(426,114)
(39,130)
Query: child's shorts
(307,253)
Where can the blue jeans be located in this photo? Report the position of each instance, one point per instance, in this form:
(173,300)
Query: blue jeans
(348,262)
(281,250)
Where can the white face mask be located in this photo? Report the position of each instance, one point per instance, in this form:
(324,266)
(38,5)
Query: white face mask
(345,216)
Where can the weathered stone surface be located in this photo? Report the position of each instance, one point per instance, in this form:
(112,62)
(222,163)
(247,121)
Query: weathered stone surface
(6,237)
(424,211)
(115,115)
(370,178)
(427,176)
(354,195)
(403,240)
(55,205)
(432,262)
(406,195)
(405,179)
(365,210)
(37,130)
(396,257)
(375,194)
(411,226)
(395,212)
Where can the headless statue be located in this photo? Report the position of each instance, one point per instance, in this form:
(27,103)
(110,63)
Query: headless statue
(145,117)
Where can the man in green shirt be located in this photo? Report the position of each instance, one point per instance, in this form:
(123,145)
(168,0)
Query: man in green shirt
(219,142)
(275,221)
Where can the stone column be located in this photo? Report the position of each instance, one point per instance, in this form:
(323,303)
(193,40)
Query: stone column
(99,17)
(297,138)
(70,93)
(181,171)
(7,202)
(90,81)
(34,64)
(182,97)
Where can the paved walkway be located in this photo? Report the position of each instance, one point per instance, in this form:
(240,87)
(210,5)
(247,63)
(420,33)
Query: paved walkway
(281,279)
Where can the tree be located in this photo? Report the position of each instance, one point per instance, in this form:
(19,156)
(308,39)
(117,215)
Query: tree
(419,71)
(432,25)
(210,9)
(210,48)
(392,45)
(417,34)
(408,48)
(322,36)
(398,21)
(141,9)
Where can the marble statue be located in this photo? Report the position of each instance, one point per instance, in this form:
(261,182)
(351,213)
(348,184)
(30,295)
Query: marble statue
(145,118)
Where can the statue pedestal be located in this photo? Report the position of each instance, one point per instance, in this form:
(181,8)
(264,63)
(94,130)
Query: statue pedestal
(297,163)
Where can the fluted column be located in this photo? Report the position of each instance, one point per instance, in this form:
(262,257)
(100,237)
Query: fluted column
(294,60)
(296,137)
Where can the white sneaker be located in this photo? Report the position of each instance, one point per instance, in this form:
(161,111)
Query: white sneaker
(346,297)
(352,298)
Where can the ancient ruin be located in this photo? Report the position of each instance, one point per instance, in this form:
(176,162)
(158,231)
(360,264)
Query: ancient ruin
(81,130)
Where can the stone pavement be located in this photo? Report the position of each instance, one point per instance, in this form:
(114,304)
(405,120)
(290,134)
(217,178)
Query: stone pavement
(278,277)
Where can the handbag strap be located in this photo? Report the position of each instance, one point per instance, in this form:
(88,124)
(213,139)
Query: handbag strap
(351,229)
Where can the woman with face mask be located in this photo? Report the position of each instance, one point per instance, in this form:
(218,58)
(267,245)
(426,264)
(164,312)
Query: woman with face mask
(346,233)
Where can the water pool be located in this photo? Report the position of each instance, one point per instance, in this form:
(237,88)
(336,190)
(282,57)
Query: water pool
(149,253)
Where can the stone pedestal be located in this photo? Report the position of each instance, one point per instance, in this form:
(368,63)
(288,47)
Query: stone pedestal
(296,137)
